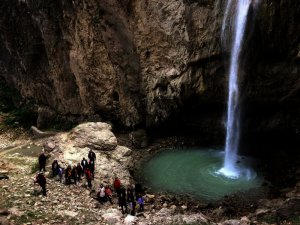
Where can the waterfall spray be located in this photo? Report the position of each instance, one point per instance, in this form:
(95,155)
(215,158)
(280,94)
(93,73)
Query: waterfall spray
(233,112)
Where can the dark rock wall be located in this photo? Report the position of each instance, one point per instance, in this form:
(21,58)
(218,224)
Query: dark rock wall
(150,63)
(271,88)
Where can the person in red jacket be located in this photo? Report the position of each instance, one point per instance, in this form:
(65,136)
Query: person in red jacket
(108,193)
(41,180)
(117,185)
(88,176)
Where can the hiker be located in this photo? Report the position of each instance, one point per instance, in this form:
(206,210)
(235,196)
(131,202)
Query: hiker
(60,173)
(101,194)
(137,190)
(55,168)
(84,164)
(122,199)
(117,185)
(68,174)
(108,194)
(42,161)
(141,202)
(91,166)
(79,172)
(131,199)
(92,156)
(88,176)
(41,180)
(74,174)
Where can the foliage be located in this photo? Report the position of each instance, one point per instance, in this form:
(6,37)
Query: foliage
(35,166)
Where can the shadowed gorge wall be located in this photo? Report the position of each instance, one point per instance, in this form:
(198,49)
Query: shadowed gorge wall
(150,63)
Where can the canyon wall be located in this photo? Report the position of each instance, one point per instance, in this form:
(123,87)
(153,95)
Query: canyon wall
(150,63)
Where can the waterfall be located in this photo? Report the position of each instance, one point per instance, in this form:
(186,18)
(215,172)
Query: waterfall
(233,112)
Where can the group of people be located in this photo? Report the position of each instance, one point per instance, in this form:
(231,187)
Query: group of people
(85,168)
(127,198)
(70,173)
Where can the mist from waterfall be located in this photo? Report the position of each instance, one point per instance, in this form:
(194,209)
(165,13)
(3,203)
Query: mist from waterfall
(239,20)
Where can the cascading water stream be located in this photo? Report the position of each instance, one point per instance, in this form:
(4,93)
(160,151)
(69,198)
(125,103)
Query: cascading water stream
(233,113)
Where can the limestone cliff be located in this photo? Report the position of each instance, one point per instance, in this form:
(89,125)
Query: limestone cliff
(142,63)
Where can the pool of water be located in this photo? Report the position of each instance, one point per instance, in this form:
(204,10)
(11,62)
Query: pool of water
(196,173)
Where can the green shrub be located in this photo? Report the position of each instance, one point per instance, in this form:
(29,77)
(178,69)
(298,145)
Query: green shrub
(35,166)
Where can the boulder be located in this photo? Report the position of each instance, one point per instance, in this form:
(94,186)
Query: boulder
(198,218)
(70,213)
(291,207)
(130,220)
(49,146)
(95,135)
(112,216)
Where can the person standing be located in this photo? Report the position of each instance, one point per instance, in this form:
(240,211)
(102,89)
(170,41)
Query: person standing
(60,173)
(131,199)
(141,202)
(108,193)
(84,164)
(101,193)
(91,166)
(122,199)
(92,156)
(41,180)
(42,162)
(88,176)
(79,172)
(117,185)
(74,174)
(55,168)
(92,160)
(68,175)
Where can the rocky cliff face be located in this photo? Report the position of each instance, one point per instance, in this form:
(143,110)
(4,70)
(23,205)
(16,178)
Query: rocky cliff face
(142,63)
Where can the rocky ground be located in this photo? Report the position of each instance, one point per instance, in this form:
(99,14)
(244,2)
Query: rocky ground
(22,203)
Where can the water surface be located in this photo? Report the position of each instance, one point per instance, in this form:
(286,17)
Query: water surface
(195,173)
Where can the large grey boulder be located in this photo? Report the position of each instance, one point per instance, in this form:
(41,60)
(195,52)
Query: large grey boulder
(94,135)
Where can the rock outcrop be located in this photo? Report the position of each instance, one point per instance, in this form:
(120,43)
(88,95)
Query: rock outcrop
(111,159)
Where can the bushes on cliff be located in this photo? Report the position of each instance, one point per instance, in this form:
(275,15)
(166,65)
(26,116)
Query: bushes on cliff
(13,110)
